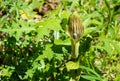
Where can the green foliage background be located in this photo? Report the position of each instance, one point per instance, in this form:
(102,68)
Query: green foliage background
(33,50)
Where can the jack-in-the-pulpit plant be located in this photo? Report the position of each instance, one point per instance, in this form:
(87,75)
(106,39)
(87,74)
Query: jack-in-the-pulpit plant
(75,30)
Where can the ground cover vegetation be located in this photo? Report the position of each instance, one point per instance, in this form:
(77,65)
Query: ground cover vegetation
(35,46)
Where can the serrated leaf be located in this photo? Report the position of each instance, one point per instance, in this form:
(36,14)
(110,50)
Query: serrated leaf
(41,32)
(44,27)
(59,56)
(40,57)
(48,53)
(29,73)
(7,71)
(53,24)
(16,31)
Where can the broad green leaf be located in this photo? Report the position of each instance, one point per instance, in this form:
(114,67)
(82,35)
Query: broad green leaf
(62,42)
(53,24)
(72,65)
(44,27)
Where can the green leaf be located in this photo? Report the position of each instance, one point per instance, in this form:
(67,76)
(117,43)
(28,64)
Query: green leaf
(38,64)
(7,71)
(107,44)
(117,46)
(59,56)
(62,42)
(74,4)
(40,57)
(48,53)
(111,32)
(53,24)
(90,77)
(96,22)
(92,71)
(90,30)
(29,74)
(65,51)
(65,14)
(44,27)
(117,78)
(107,47)
(16,31)
(72,65)
(35,4)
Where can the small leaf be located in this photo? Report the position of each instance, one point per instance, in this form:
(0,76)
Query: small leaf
(7,71)
(72,65)
(29,73)
(59,56)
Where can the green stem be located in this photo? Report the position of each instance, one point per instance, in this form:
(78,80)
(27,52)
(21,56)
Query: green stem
(75,48)
(75,74)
